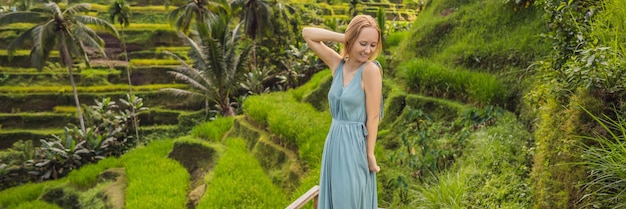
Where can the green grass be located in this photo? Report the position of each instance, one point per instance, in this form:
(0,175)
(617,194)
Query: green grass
(491,173)
(37,204)
(240,182)
(296,124)
(606,160)
(87,175)
(12,197)
(213,130)
(312,84)
(431,78)
(153,62)
(154,181)
(476,36)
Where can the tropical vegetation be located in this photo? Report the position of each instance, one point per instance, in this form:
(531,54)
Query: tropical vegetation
(488,104)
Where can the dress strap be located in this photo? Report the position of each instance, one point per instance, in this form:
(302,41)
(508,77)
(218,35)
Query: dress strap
(340,66)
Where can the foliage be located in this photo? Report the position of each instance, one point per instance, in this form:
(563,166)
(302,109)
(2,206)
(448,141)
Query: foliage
(201,11)
(119,12)
(555,175)
(109,134)
(218,59)
(492,172)
(606,158)
(586,51)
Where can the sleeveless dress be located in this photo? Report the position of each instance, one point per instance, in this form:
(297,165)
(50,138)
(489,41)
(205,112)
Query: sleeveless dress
(345,179)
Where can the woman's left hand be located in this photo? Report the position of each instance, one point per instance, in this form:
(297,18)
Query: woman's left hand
(371,162)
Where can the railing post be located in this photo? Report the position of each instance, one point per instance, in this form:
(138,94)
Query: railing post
(312,194)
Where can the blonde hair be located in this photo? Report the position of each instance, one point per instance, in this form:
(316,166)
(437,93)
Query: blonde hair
(354,29)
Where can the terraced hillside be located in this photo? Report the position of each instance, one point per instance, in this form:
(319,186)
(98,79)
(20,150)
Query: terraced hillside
(37,104)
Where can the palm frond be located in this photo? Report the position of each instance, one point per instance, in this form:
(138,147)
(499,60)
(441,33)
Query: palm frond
(242,59)
(121,10)
(98,23)
(19,41)
(22,17)
(182,93)
(197,75)
(182,62)
(79,49)
(85,34)
(74,9)
(54,8)
(197,54)
(44,41)
(189,80)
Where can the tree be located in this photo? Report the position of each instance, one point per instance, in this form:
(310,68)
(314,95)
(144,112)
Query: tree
(256,17)
(353,7)
(219,58)
(119,12)
(65,31)
(200,11)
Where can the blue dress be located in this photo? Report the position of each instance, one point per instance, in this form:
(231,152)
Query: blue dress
(345,179)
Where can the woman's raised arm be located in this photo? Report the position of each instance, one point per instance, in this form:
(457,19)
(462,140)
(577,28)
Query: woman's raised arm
(315,37)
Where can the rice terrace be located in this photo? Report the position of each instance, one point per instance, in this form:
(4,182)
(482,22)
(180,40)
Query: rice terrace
(221,103)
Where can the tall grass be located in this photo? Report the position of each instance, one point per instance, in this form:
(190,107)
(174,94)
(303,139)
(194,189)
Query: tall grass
(312,84)
(14,196)
(296,124)
(491,173)
(606,161)
(435,79)
(87,175)
(213,130)
(154,181)
(240,182)
(447,191)
(36,204)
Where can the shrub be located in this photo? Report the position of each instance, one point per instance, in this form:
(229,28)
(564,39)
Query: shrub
(110,134)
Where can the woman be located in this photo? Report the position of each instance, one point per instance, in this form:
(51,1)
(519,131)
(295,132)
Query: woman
(348,174)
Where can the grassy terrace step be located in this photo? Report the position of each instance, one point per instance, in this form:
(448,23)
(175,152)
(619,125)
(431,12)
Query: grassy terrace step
(140,75)
(278,160)
(42,102)
(85,89)
(42,120)
(10,136)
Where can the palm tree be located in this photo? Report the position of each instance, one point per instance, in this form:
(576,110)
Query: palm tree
(120,13)
(218,61)
(200,11)
(65,31)
(353,7)
(256,17)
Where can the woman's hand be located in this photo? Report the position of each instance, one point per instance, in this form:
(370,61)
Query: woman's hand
(371,162)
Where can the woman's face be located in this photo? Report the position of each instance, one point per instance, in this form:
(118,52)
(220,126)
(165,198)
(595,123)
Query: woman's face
(364,45)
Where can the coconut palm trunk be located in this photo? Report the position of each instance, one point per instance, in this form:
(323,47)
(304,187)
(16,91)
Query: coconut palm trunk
(67,60)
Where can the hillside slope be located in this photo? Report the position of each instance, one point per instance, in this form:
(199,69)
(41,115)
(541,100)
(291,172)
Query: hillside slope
(497,39)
